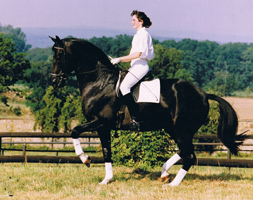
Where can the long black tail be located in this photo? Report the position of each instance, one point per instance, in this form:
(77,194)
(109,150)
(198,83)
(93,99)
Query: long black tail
(228,125)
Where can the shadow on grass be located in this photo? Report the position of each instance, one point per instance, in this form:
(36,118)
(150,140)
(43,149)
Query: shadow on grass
(139,174)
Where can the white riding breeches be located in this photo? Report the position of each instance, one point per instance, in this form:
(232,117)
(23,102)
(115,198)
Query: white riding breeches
(138,70)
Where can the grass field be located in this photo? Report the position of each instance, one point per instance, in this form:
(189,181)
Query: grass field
(69,181)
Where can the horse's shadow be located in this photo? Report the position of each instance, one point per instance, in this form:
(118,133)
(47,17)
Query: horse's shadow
(139,174)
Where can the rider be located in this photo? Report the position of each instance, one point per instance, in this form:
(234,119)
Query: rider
(141,52)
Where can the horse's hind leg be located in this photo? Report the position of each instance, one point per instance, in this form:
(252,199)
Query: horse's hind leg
(186,152)
(168,164)
(189,159)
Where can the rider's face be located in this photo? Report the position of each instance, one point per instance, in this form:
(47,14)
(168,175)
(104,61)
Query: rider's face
(136,23)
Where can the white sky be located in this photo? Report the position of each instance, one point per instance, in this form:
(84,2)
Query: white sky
(178,17)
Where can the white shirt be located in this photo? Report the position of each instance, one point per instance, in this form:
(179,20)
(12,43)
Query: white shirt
(142,42)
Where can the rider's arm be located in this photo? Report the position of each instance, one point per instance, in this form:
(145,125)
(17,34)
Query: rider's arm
(130,57)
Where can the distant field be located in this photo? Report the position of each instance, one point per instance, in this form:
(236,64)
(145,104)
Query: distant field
(243,106)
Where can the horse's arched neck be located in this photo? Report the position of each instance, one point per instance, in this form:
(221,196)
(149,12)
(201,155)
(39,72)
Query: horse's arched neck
(99,76)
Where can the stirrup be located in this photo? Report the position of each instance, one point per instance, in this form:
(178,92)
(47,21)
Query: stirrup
(134,125)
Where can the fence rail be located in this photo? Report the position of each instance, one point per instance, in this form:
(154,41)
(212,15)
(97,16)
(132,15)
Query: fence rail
(73,159)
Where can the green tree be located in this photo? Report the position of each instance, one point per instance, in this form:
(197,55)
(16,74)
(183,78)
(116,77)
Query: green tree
(39,54)
(247,65)
(18,37)
(58,109)
(167,63)
(229,60)
(47,118)
(12,63)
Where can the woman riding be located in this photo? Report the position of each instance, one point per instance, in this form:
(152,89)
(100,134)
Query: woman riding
(141,52)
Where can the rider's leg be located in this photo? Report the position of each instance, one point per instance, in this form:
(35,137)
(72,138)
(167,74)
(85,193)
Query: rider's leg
(135,74)
(133,111)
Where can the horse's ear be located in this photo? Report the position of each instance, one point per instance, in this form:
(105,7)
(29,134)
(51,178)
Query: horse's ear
(54,40)
(57,39)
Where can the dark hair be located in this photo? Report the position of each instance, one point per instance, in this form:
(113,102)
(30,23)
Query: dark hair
(142,16)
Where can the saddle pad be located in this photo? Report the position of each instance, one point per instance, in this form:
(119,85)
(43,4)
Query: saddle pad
(147,91)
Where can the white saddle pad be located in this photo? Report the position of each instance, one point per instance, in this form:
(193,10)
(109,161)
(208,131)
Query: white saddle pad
(148,91)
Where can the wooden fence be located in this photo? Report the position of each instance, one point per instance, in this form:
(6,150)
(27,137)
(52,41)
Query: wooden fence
(74,159)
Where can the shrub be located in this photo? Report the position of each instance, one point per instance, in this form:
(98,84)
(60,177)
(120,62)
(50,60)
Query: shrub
(141,148)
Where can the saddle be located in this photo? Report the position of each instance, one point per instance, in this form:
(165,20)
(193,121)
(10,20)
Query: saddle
(146,90)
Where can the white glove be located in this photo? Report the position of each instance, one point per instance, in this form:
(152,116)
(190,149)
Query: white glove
(115,61)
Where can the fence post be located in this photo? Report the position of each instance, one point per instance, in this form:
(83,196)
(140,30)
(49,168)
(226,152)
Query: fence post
(1,146)
(24,153)
(24,149)
(229,157)
(56,155)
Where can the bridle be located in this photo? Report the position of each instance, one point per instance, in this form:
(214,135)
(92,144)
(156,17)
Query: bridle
(62,75)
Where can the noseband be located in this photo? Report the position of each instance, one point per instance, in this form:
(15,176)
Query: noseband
(62,76)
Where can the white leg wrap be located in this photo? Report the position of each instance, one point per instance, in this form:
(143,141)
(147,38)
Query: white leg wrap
(168,164)
(108,173)
(179,177)
(79,151)
(78,148)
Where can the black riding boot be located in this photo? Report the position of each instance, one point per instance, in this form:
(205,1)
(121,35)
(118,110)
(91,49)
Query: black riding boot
(133,111)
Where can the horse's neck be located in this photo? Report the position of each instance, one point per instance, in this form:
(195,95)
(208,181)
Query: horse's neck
(97,81)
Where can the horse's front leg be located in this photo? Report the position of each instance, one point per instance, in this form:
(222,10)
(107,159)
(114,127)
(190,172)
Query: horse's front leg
(89,126)
(105,138)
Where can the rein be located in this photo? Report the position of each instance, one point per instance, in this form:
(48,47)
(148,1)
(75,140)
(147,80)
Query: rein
(64,76)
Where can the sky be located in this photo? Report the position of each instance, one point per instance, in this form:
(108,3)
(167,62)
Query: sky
(230,20)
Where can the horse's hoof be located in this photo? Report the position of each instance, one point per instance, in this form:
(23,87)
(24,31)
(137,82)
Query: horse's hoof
(104,182)
(88,161)
(164,179)
(85,159)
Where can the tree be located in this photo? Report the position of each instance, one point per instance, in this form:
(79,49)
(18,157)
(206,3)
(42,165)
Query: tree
(38,79)
(39,54)
(18,37)
(247,64)
(12,63)
(59,109)
(167,63)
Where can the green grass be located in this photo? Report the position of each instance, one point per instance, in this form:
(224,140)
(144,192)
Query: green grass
(72,181)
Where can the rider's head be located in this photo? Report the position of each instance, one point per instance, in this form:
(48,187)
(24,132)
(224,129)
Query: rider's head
(142,17)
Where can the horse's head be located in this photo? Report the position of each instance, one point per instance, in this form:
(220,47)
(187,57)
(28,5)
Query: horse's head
(59,72)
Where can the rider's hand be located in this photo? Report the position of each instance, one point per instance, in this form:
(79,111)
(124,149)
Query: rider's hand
(115,61)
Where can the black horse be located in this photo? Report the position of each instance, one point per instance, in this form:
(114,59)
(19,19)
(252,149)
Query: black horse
(182,110)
